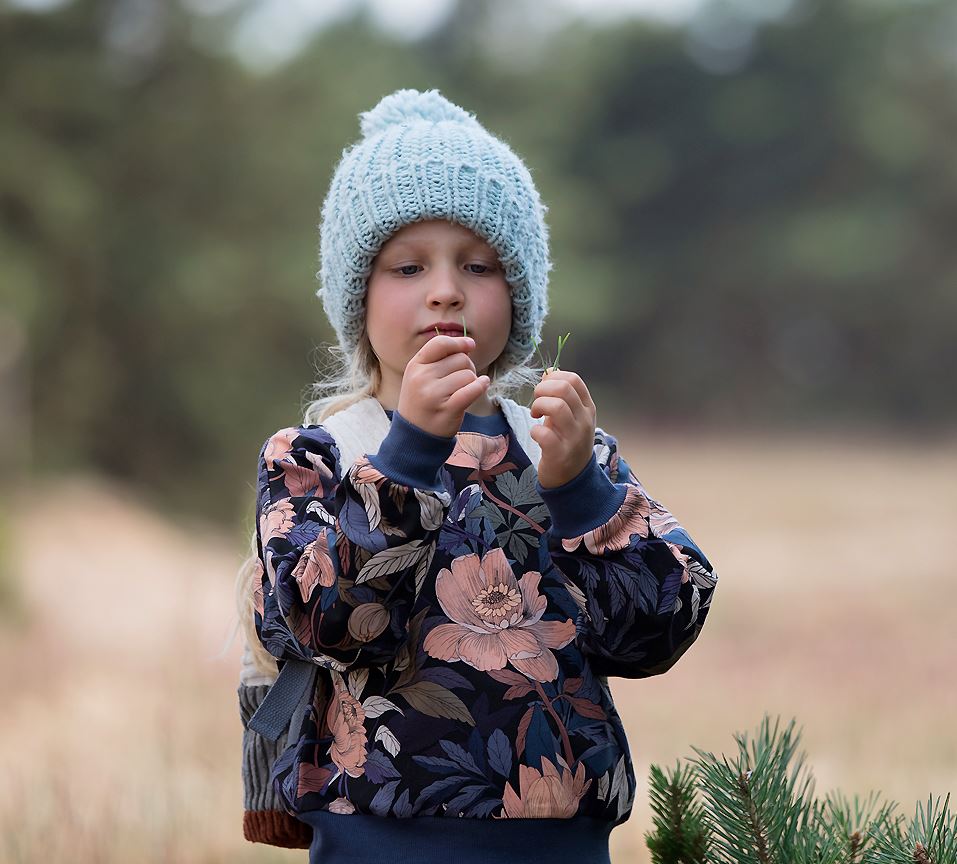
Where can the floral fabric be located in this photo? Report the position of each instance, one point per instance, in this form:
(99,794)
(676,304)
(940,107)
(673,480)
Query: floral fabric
(465,627)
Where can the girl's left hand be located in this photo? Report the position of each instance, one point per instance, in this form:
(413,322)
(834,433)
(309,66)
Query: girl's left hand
(567,436)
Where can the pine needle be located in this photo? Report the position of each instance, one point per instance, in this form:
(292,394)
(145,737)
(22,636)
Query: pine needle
(681,836)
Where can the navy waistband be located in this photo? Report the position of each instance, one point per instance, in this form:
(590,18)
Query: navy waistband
(360,838)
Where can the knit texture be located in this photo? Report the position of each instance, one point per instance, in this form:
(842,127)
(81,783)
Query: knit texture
(264,819)
(422,157)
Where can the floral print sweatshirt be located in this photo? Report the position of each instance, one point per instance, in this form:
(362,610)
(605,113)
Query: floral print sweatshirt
(465,621)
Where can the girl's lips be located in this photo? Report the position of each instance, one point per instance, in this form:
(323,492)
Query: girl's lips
(431,333)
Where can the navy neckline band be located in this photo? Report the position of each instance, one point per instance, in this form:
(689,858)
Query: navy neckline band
(491,424)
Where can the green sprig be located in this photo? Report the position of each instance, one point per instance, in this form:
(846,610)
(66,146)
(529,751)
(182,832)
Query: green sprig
(546,363)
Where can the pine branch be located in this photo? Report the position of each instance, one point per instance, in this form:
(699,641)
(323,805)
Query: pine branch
(855,828)
(757,807)
(931,838)
(681,836)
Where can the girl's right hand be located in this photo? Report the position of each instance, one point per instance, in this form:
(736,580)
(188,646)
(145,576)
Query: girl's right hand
(439,384)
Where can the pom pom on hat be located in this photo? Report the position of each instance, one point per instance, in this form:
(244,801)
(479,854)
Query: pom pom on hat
(408,106)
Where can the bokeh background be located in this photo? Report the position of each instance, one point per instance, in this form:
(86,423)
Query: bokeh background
(753,207)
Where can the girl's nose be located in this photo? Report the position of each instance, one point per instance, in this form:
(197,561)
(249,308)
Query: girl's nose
(445,288)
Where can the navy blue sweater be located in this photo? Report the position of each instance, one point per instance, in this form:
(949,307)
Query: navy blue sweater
(465,620)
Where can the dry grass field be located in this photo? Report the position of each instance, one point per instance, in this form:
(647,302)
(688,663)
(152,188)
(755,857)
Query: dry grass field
(837,602)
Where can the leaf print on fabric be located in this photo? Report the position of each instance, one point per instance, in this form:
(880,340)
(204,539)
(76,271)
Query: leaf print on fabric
(431,510)
(466,784)
(382,802)
(368,621)
(314,568)
(435,700)
(342,563)
(298,479)
(392,560)
(619,788)
(357,680)
(496,619)
(379,767)
(275,521)
(375,706)
(552,793)
(683,559)
(258,574)
(520,491)
(385,736)
(370,500)
(500,753)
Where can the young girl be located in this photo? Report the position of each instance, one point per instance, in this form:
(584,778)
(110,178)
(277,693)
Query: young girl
(445,576)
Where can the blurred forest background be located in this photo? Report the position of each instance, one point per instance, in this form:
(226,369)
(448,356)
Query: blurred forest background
(753,212)
(753,218)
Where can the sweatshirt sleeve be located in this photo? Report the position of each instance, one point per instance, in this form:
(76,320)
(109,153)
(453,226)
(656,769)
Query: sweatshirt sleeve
(343,560)
(647,587)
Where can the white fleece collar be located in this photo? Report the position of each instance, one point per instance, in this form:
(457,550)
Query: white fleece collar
(360,428)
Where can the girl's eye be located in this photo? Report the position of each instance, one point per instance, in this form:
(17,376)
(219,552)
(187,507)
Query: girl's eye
(405,268)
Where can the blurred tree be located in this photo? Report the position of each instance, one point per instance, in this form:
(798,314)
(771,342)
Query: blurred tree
(751,218)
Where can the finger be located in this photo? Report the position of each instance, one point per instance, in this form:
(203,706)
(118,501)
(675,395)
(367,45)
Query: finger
(464,396)
(556,406)
(441,346)
(562,389)
(562,377)
(545,437)
(581,389)
(452,363)
(456,380)
(555,409)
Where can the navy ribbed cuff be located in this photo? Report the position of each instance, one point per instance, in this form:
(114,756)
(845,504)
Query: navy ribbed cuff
(411,456)
(583,503)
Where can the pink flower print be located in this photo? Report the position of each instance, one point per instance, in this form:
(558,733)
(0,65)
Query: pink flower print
(552,793)
(346,720)
(496,620)
(615,534)
(474,450)
(342,806)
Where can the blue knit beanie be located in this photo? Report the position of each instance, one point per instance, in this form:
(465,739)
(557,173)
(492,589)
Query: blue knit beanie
(422,157)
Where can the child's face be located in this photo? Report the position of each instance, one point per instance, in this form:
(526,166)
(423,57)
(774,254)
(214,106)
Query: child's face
(428,273)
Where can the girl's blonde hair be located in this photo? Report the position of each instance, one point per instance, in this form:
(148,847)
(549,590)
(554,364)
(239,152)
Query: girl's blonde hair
(348,380)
